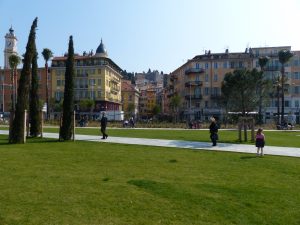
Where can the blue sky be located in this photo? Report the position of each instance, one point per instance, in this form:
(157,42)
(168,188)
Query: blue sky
(156,34)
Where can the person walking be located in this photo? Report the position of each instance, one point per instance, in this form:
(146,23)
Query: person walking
(260,142)
(213,129)
(103,123)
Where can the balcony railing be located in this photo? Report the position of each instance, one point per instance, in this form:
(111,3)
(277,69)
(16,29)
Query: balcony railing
(273,68)
(215,96)
(194,70)
(173,77)
(193,97)
(193,83)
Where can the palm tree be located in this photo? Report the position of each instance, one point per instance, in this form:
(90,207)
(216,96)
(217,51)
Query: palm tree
(47,54)
(284,56)
(14,61)
(262,61)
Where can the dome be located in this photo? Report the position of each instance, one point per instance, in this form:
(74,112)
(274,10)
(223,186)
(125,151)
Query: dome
(101,51)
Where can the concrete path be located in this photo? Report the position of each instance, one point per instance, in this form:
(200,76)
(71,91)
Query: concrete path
(268,150)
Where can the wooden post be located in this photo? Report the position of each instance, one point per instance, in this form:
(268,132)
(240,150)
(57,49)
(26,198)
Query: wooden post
(60,123)
(25,122)
(74,125)
(240,131)
(42,123)
(252,129)
(245,130)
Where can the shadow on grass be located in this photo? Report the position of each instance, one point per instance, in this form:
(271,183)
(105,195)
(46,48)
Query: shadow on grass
(4,140)
(249,157)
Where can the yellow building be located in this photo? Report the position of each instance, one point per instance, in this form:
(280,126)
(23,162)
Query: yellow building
(97,78)
(147,103)
(130,98)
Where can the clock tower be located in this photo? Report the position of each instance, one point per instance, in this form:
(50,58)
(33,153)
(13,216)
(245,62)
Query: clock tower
(10,47)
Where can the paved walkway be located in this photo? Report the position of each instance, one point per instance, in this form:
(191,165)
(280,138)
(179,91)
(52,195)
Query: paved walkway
(268,150)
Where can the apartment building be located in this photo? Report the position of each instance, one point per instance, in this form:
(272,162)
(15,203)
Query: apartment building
(97,77)
(130,99)
(198,82)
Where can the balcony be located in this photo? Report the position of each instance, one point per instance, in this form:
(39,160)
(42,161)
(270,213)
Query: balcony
(193,71)
(193,97)
(215,96)
(193,83)
(173,77)
(273,68)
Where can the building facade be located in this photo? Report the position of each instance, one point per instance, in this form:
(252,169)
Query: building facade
(97,78)
(198,82)
(130,99)
(6,90)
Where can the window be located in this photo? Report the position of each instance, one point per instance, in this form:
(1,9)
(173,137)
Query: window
(216,65)
(206,104)
(240,64)
(58,83)
(286,103)
(92,94)
(99,71)
(216,77)
(297,103)
(232,65)
(206,77)
(197,66)
(225,64)
(99,82)
(297,75)
(92,82)
(215,91)
(296,89)
(206,65)
(206,91)
(197,77)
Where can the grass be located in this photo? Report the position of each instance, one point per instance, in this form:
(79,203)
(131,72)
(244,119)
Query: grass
(49,182)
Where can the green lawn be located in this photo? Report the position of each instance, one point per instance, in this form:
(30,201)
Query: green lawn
(48,182)
(273,138)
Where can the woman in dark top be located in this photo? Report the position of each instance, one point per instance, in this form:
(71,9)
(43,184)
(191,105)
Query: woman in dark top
(103,123)
(213,129)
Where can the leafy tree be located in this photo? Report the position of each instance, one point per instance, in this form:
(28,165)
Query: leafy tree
(34,103)
(47,54)
(284,56)
(239,90)
(17,132)
(86,105)
(68,104)
(130,109)
(156,110)
(174,104)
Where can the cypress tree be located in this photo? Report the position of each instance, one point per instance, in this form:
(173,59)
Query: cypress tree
(17,131)
(34,104)
(68,104)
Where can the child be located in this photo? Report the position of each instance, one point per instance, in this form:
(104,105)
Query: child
(260,141)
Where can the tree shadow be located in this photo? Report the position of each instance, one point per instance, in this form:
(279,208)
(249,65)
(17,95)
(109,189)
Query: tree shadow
(249,157)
